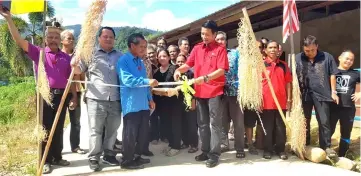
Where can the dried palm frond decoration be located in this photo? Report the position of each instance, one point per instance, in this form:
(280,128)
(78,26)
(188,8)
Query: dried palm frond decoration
(250,68)
(42,81)
(93,20)
(297,118)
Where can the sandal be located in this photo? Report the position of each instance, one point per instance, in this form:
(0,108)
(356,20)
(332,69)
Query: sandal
(172,152)
(267,155)
(166,149)
(183,146)
(252,150)
(283,156)
(193,150)
(331,153)
(46,168)
(79,151)
(240,154)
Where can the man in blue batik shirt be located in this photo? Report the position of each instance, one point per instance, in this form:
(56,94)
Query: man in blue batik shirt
(137,98)
(231,110)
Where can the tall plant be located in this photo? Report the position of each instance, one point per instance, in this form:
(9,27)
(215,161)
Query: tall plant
(13,54)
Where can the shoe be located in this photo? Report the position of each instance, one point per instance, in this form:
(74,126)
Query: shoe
(283,155)
(212,163)
(252,150)
(172,152)
(94,165)
(267,155)
(331,153)
(117,150)
(202,157)
(141,160)
(110,160)
(148,153)
(60,162)
(46,168)
(154,142)
(131,165)
(224,148)
(240,154)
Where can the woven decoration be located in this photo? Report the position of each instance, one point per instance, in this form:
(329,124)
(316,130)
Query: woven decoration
(297,119)
(93,19)
(42,82)
(250,67)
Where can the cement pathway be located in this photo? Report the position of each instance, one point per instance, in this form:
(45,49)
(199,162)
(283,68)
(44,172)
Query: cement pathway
(184,163)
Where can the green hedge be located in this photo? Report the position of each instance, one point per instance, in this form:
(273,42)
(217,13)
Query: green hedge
(17,101)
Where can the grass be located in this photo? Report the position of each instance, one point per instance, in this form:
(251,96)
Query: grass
(18,142)
(18,145)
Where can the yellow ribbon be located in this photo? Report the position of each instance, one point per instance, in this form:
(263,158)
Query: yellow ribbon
(187,89)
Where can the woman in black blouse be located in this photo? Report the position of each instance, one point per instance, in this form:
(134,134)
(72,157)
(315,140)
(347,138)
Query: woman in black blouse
(169,108)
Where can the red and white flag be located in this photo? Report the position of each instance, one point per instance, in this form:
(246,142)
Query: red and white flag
(289,13)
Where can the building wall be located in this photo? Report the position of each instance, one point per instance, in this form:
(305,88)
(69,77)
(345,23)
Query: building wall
(334,33)
(273,34)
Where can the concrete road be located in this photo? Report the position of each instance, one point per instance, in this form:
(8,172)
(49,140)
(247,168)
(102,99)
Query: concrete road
(184,163)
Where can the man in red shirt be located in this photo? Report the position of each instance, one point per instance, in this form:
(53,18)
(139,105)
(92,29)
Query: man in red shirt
(209,60)
(281,79)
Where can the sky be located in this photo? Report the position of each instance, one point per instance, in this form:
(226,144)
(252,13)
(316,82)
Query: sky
(162,15)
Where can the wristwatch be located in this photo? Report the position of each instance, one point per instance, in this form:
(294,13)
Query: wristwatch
(205,78)
(334,92)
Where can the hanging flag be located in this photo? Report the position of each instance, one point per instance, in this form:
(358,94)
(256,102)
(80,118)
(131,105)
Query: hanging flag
(23,6)
(289,13)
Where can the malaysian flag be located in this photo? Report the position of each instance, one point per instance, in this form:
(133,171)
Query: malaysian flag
(289,10)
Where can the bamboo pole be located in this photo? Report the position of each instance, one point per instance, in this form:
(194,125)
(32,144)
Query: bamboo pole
(50,138)
(39,98)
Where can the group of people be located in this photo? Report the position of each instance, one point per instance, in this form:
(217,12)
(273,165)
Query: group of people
(151,116)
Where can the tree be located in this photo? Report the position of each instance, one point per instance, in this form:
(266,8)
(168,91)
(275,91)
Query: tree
(124,33)
(36,22)
(11,53)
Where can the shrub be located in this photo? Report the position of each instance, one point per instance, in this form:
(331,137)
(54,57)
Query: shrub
(17,101)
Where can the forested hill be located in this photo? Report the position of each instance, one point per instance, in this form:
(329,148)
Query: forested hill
(121,34)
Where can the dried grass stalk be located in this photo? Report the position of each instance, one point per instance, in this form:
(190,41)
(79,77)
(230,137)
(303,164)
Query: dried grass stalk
(250,67)
(93,19)
(297,118)
(43,83)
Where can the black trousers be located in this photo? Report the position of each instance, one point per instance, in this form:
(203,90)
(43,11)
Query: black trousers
(160,125)
(210,125)
(346,116)
(135,131)
(74,116)
(189,128)
(273,123)
(49,113)
(170,113)
(322,109)
(154,126)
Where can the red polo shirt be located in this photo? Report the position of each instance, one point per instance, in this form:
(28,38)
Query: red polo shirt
(280,75)
(206,59)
